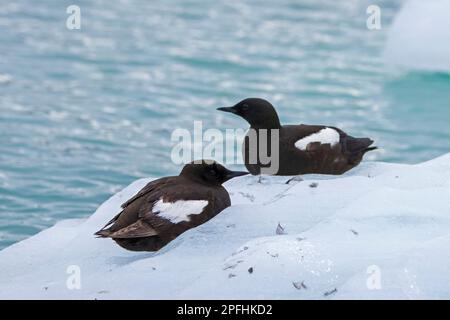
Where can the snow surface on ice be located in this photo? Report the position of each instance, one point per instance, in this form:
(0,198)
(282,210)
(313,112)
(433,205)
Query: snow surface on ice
(391,218)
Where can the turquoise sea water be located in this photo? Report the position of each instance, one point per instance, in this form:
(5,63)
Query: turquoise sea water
(85,112)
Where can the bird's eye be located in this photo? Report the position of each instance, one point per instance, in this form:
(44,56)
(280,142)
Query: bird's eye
(244,107)
(212,172)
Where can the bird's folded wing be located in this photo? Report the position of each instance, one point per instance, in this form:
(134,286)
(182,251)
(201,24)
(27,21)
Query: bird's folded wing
(163,209)
(151,186)
(324,136)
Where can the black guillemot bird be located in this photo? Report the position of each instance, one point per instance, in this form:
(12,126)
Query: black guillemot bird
(167,207)
(302,148)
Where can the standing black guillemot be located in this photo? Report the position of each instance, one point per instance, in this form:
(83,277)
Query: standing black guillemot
(302,148)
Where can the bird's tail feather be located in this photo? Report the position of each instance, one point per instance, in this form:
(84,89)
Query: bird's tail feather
(369,149)
(104,233)
(356,145)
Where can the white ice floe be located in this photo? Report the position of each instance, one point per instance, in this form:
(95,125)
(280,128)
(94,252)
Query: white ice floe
(5,78)
(380,231)
(419,38)
(324,136)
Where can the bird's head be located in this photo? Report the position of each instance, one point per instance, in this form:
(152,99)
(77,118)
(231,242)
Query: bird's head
(259,113)
(209,172)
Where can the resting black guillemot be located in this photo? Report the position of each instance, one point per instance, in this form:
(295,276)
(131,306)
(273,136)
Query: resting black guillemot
(167,207)
(302,148)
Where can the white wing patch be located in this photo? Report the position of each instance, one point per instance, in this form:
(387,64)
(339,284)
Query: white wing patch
(324,136)
(179,210)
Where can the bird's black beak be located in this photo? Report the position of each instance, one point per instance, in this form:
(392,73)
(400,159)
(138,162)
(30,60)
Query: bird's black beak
(233,174)
(228,109)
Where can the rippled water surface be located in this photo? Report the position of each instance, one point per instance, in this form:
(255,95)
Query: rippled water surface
(85,112)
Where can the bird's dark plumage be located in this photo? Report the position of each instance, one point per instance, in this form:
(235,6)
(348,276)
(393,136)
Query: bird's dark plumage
(302,148)
(169,206)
